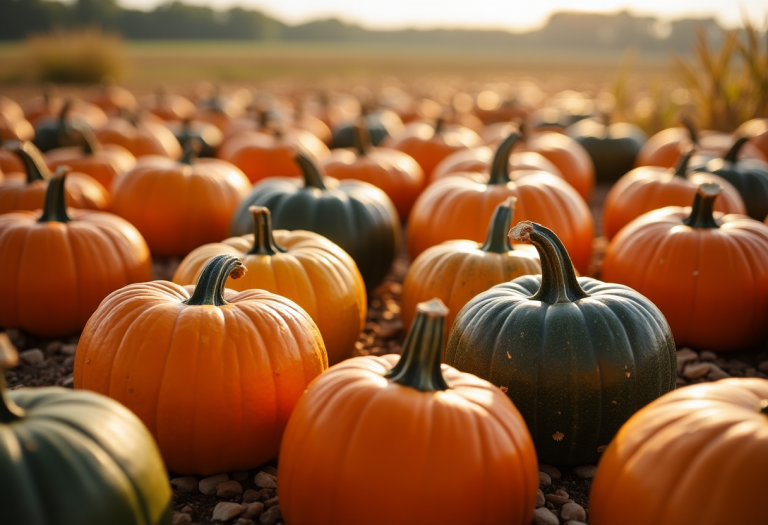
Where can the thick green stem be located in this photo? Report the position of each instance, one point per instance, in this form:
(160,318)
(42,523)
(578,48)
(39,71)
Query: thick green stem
(733,153)
(703,207)
(9,357)
(681,168)
(33,162)
(263,240)
(689,126)
(497,240)
(55,209)
(210,285)
(313,178)
(361,137)
(419,366)
(558,277)
(192,149)
(500,164)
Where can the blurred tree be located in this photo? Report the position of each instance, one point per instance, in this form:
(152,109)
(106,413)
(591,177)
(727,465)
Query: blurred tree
(102,13)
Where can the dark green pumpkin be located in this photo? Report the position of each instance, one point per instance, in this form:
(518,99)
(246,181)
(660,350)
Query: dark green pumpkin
(357,216)
(577,357)
(207,134)
(748,176)
(344,135)
(612,148)
(59,132)
(76,458)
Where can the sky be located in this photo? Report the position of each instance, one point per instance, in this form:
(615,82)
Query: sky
(514,15)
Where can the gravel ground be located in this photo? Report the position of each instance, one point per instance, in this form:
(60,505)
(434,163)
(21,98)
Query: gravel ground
(250,498)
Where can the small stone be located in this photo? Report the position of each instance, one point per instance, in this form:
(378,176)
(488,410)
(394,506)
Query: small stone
(562,493)
(716,373)
(68,382)
(707,355)
(239,475)
(52,348)
(208,485)
(32,357)
(573,512)
(187,509)
(271,516)
(696,370)
(228,489)
(734,365)
(244,521)
(543,516)
(269,469)
(556,499)
(181,518)
(271,502)
(69,361)
(264,480)
(553,472)
(226,510)
(585,471)
(685,355)
(253,510)
(185,484)
(763,367)
(544,479)
(69,349)
(251,495)
(540,501)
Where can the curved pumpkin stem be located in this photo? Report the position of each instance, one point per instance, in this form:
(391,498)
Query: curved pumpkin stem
(192,149)
(439,125)
(497,240)
(764,407)
(688,124)
(9,358)
(263,240)
(558,278)
(703,207)
(733,153)
(419,366)
(55,208)
(313,178)
(63,114)
(33,162)
(210,285)
(91,144)
(500,164)
(681,168)
(361,137)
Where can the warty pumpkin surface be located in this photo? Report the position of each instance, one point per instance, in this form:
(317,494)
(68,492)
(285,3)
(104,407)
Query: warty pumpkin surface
(436,433)
(213,373)
(577,356)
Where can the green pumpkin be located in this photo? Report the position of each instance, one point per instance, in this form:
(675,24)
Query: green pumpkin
(79,458)
(577,357)
(612,148)
(355,215)
(59,132)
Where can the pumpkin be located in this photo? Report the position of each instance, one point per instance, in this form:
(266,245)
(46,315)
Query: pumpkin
(218,109)
(396,173)
(492,107)
(168,106)
(49,106)
(685,457)
(55,268)
(179,205)
(437,434)
(112,98)
(649,188)
(215,374)
(355,215)
(10,109)
(13,125)
(459,208)
(456,271)
(706,271)
(260,119)
(577,356)
(748,176)
(103,162)
(613,148)
(261,155)
(476,162)
(188,130)
(380,125)
(26,191)
(429,144)
(757,131)
(60,131)
(300,265)
(9,161)
(570,157)
(140,137)
(90,460)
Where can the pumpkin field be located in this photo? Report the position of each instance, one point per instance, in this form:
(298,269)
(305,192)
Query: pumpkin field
(417,296)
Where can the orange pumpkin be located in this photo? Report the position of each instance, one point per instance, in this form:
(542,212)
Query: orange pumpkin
(112,98)
(218,109)
(303,266)
(13,125)
(214,375)
(757,131)
(56,268)
(10,109)
(705,271)
(428,144)
(441,436)
(168,106)
(140,137)
(49,106)
(686,457)
(460,208)
(394,172)
(456,271)
(26,191)
(649,188)
(179,205)
(478,161)
(9,161)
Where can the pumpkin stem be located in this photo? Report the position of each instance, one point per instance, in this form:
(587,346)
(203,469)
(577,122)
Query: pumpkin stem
(733,153)
(9,357)
(681,168)
(558,278)
(686,121)
(500,164)
(496,240)
(210,285)
(55,208)
(263,240)
(91,144)
(419,366)
(361,136)
(33,161)
(262,118)
(703,204)
(63,113)
(192,149)
(439,124)
(313,178)
(764,407)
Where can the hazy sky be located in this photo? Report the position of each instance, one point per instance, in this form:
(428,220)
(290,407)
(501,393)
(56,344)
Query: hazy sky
(505,14)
